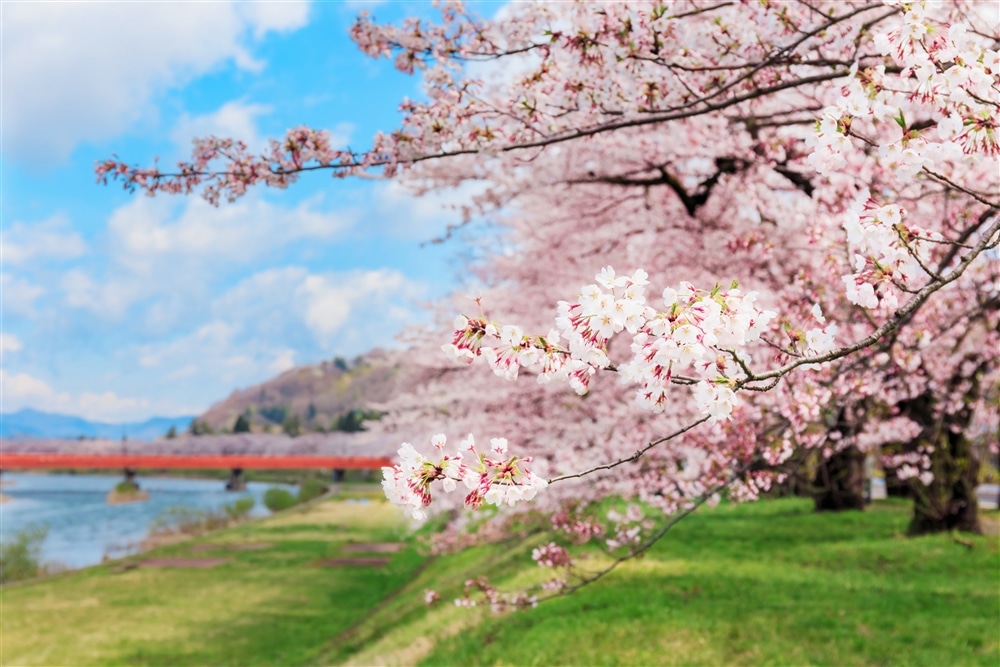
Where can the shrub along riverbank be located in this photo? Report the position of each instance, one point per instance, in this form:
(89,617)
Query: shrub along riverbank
(20,554)
(771,583)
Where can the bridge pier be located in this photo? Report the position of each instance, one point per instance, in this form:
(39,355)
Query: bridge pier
(127,490)
(130,478)
(236,480)
(338,475)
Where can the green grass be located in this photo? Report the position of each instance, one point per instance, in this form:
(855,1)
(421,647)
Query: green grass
(274,606)
(769,583)
(763,584)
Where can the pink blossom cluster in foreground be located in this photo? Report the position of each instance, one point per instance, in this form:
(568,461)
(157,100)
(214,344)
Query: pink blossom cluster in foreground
(492,477)
(699,338)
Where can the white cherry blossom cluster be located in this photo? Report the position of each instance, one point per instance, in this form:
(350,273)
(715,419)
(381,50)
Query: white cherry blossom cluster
(408,483)
(499,479)
(598,315)
(820,340)
(701,337)
(912,465)
(551,555)
(947,66)
(890,252)
(778,452)
(698,339)
(953,77)
(493,477)
(628,527)
(876,434)
(830,143)
(944,71)
(499,602)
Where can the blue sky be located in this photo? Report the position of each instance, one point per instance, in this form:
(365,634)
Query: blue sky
(118,306)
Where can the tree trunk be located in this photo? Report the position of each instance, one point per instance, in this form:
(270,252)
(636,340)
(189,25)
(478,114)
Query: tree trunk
(840,481)
(949,502)
(895,487)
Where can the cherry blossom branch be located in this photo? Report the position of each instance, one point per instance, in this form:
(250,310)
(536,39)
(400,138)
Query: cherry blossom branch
(702,10)
(916,257)
(647,543)
(807,36)
(261,168)
(963,237)
(635,456)
(894,322)
(950,183)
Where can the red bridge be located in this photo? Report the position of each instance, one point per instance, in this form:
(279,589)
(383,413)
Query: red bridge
(20,460)
(235,452)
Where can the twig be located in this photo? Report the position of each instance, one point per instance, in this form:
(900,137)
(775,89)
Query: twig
(635,456)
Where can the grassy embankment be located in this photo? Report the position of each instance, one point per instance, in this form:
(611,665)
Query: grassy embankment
(272,606)
(770,583)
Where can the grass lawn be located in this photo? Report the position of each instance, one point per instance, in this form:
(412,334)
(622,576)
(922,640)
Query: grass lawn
(272,606)
(769,583)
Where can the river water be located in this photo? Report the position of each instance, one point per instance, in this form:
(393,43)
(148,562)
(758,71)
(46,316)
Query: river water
(83,528)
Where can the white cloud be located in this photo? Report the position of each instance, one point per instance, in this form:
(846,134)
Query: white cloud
(21,386)
(363,4)
(110,299)
(9,342)
(76,72)
(283,360)
(52,238)
(405,214)
(238,119)
(329,301)
(233,119)
(333,307)
(20,390)
(280,16)
(327,305)
(17,296)
(148,232)
(273,319)
(168,253)
(218,353)
(210,338)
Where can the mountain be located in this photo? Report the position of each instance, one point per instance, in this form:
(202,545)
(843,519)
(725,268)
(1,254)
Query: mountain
(28,423)
(332,395)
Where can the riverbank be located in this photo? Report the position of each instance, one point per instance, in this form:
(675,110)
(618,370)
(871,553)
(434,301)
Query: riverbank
(259,593)
(754,584)
(84,528)
(262,476)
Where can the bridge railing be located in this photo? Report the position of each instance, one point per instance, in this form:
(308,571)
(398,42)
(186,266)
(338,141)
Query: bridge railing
(34,460)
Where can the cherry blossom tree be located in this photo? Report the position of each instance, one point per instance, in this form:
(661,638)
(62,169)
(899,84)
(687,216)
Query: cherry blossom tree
(801,203)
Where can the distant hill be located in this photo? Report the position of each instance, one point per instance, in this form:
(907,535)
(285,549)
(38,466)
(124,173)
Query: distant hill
(336,395)
(28,423)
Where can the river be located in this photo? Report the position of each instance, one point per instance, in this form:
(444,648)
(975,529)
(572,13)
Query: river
(83,528)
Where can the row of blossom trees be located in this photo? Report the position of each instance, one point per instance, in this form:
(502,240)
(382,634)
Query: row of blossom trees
(801,205)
